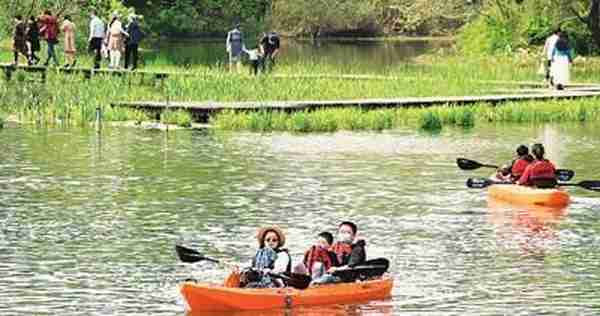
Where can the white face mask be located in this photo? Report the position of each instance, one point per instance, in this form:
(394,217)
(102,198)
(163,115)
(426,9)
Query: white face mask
(345,237)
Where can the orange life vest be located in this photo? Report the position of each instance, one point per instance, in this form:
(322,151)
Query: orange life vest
(342,252)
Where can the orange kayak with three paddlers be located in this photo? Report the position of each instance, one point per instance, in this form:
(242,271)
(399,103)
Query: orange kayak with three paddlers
(524,195)
(211,297)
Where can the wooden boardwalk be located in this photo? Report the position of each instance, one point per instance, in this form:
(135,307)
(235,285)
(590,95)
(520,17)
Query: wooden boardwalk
(88,73)
(203,110)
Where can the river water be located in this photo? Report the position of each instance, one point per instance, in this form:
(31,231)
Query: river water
(88,222)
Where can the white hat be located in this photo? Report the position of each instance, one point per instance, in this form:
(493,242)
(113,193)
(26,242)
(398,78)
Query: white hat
(115,14)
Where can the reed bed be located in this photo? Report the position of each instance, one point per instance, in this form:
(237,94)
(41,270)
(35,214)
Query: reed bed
(72,100)
(431,119)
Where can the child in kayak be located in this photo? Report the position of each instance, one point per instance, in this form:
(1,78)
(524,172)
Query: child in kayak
(541,172)
(349,251)
(318,258)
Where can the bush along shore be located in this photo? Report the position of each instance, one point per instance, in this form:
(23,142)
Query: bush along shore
(72,100)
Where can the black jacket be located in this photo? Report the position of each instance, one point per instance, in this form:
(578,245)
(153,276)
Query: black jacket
(135,34)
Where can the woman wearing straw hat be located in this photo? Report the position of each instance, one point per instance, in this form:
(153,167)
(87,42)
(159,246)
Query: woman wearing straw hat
(270,257)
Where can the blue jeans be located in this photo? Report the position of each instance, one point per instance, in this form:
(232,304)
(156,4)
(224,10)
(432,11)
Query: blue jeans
(51,53)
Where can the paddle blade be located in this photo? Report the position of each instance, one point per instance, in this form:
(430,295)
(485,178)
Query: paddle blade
(295,280)
(479,183)
(564,174)
(467,164)
(590,185)
(188,255)
(367,270)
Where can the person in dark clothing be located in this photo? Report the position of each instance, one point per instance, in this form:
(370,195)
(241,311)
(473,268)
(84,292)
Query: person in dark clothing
(20,39)
(133,41)
(349,252)
(269,48)
(33,39)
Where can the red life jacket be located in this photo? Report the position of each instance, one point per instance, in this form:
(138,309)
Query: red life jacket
(519,167)
(342,251)
(317,254)
(542,170)
(538,171)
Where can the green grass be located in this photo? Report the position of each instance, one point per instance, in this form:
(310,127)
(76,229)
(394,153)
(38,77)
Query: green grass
(72,100)
(430,119)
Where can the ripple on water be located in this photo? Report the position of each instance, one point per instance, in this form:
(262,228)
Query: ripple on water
(87,227)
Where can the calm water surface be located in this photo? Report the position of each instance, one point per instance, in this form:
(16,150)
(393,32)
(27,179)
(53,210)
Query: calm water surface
(88,222)
(344,56)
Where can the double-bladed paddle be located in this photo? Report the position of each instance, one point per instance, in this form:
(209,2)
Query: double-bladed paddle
(480,183)
(467,164)
(295,280)
(368,269)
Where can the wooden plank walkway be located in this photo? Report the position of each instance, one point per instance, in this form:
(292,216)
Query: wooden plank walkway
(203,110)
(9,69)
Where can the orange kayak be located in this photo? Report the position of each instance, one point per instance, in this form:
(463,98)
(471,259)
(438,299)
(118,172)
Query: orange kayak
(211,297)
(523,195)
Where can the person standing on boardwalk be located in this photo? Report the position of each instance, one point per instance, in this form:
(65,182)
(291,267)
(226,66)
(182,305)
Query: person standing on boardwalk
(269,47)
(68,29)
(133,42)
(562,57)
(97,33)
(20,40)
(547,52)
(33,39)
(235,47)
(116,40)
(50,31)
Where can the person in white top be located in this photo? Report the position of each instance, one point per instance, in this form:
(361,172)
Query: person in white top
(547,53)
(97,33)
(116,41)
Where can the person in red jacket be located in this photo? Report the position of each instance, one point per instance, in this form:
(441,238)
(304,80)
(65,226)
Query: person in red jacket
(517,167)
(50,31)
(541,172)
(318,258)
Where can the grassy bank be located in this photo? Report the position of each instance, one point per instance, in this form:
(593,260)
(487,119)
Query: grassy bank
(434,118)
(72,100)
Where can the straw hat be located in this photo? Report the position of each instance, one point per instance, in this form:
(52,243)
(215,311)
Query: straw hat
(260,236)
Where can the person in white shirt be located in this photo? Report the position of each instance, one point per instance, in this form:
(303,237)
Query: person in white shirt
(547,52)
(97,33)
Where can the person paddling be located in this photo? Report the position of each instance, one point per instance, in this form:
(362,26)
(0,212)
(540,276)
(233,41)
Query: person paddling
(516,168)
(349,252)
(541,172)
(271,257)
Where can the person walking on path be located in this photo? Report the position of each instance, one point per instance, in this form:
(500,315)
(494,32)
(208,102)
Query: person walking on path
(116,41)
(133,42)
(235,47)
(33,39)
(50,32)
(269,47)
(68,28)
(562,57)
(547,52)
(97,33)
(20,40)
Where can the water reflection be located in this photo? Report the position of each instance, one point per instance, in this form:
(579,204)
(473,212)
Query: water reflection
(533,229)
(380,308)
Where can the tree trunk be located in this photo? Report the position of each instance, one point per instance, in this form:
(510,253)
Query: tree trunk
(593,21)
